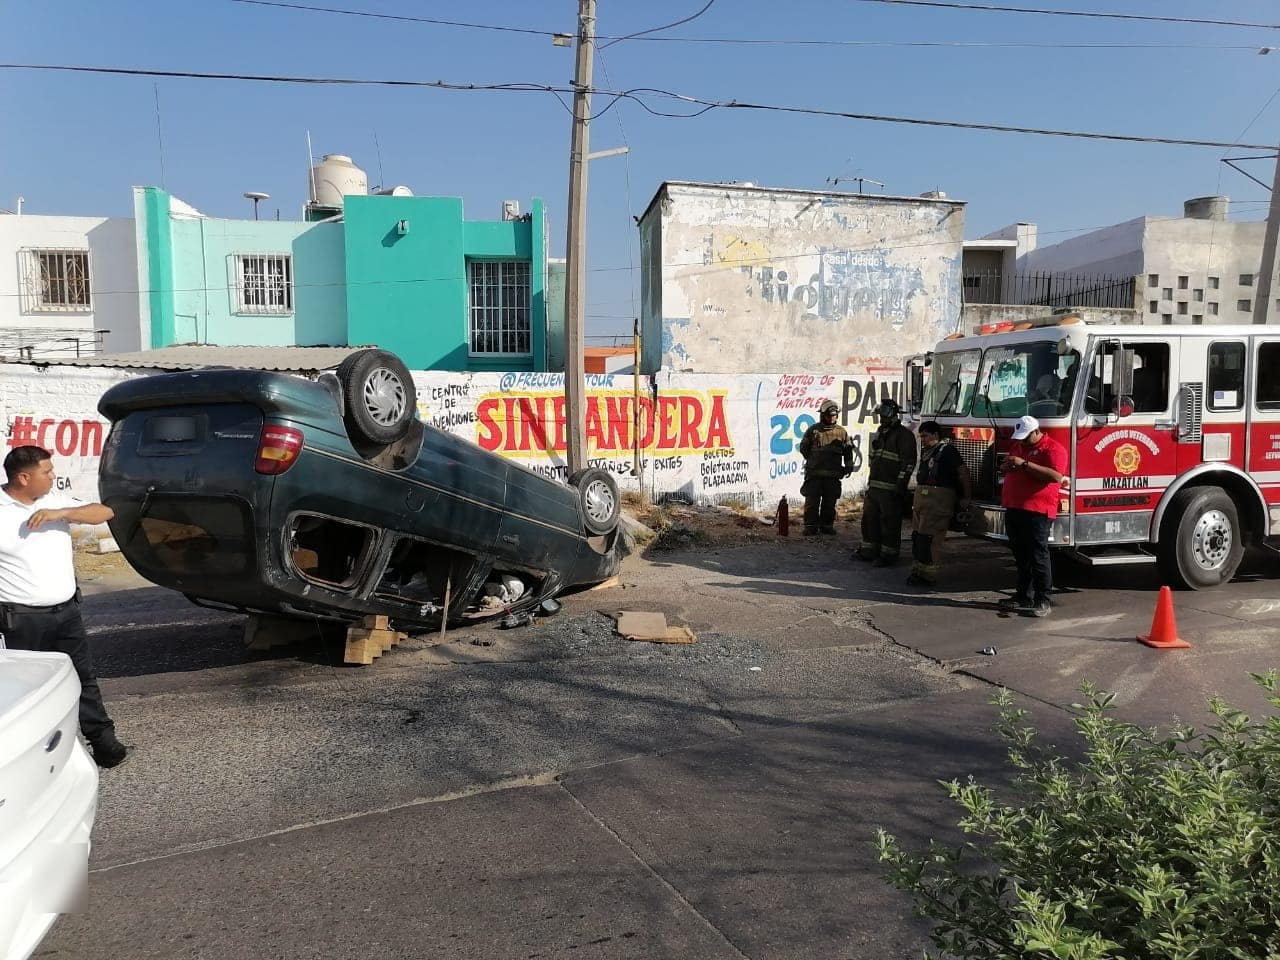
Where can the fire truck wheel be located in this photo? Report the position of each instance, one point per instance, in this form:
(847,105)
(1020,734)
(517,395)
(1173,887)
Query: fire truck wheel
(1201,543)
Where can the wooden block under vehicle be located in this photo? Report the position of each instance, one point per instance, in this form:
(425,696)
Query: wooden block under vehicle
(366,641)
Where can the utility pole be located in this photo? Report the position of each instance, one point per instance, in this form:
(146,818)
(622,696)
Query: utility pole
(576,242)
(1267,269)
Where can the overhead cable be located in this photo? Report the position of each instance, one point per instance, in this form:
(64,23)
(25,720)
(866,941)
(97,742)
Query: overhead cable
(644,35)
(400,17)
(993,8)
(960,44)
(665,26)
(638,96)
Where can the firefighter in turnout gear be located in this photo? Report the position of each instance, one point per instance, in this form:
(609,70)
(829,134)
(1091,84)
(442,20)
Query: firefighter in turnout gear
(889,466)
(828,458)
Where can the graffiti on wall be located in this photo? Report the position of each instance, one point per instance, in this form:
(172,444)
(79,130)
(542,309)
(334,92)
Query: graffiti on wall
(794,410)
(765,282)
(76,441)
(841,284)
(522,417)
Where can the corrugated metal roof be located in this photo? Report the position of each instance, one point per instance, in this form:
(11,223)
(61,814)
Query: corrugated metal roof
(197,356)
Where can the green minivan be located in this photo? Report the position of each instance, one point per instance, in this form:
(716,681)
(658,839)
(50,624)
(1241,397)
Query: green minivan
(327,497)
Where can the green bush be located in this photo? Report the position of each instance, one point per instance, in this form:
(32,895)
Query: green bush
(1151,846)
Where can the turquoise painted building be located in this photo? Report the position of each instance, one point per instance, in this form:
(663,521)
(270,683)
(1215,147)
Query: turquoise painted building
(410,274)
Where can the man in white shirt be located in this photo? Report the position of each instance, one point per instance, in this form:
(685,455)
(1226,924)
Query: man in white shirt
(39,602)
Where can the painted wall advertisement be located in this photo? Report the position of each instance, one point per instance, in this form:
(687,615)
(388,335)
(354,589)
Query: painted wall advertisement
(697,437)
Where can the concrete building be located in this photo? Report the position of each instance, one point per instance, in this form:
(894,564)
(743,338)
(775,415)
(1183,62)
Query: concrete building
(737,278)
(1197,268)
(407,273)
(67,286)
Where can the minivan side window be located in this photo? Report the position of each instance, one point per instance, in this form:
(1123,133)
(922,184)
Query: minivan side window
(1226,376)
(1267,390)
(1150,380)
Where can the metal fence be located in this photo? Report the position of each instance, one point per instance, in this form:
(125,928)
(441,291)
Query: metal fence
(1049,289)
(17,343)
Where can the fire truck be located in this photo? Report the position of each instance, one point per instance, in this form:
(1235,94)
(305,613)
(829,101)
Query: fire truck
(1173,434)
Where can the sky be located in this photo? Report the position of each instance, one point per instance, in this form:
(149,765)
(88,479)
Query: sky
(75,143)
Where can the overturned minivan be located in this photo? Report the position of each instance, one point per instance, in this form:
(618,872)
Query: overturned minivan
(327,497)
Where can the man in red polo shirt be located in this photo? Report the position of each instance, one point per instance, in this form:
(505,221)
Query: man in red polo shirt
(1033,475)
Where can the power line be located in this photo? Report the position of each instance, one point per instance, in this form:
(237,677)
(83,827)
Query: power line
(636,94)
(271,78)
(752,41)
(403,18)
(960,44)
(665,26)
(991,8)
(965,125)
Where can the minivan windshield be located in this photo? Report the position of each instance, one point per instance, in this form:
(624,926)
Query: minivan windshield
(952,378)
(1026,378)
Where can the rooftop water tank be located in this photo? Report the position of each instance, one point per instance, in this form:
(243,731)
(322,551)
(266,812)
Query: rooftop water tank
(396,191)
(335,177)
(1206,208)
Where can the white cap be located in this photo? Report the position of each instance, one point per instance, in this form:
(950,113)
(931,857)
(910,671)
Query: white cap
(1023,427)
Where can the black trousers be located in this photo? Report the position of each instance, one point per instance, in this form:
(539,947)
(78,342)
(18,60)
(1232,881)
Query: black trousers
(820,496)
(1029,539)
(881,524)
(61,628)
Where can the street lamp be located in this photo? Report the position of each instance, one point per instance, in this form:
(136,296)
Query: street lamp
(256,198)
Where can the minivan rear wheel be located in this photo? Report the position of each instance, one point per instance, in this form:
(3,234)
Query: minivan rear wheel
(379,396)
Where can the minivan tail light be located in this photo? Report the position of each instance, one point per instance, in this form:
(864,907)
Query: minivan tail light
(278,448)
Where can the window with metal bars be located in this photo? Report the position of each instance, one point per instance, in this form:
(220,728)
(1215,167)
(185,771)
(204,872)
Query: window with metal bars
(264,283)
(501,321)
(58,280)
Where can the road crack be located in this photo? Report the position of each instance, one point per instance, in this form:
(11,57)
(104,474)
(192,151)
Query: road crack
(653,872)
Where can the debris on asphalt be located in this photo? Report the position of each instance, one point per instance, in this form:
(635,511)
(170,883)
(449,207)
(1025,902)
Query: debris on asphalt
(614,581)
(755,669)
(513,620)
(988,651)
(652,628)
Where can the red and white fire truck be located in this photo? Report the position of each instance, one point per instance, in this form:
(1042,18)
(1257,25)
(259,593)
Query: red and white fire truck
(1173,434)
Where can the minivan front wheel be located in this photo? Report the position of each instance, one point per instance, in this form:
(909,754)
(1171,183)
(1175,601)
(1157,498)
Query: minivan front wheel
(598,498)
(379,396)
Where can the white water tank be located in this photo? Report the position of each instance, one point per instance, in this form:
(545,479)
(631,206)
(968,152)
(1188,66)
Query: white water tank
(335,177)
(397,191)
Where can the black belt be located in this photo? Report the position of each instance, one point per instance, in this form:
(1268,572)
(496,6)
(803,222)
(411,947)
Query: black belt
(23,608)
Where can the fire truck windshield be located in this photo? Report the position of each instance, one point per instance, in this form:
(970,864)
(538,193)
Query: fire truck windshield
(1026,378)
(952,380)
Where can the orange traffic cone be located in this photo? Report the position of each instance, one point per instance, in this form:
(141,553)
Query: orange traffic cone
(784,518)
(1164,631)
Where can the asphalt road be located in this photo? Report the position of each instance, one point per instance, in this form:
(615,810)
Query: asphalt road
(559,792)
